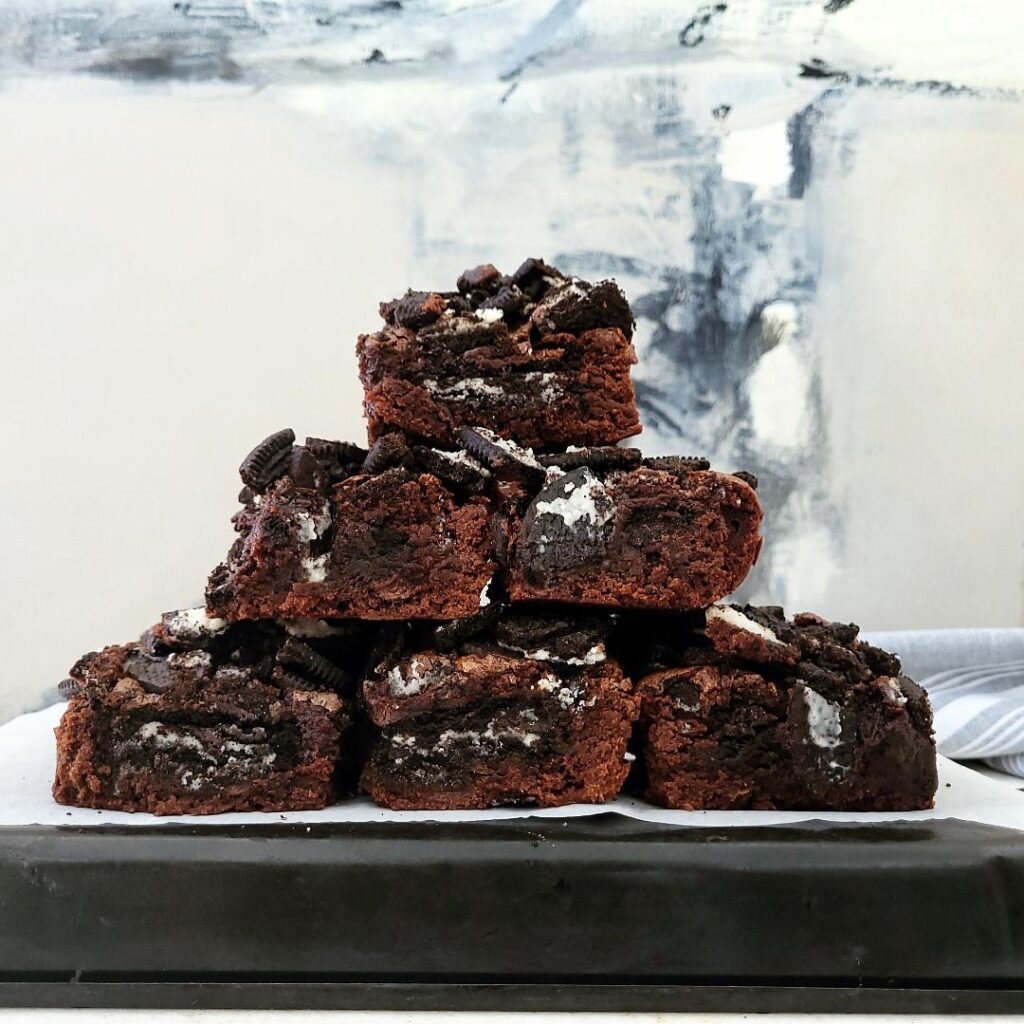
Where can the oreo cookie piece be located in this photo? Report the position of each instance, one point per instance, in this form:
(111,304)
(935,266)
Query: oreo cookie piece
(576,306)
(67,688)
(600,460)
(338,459)
(504,458)
(157,675)
(305,469)
(570,640)
(459,469)
(485,277)
(568,524)
(268,460)
(678,465)
(319,671)
(450,635)
(388,452)
(413,309)
(747,478)
(510,301)
(535,278)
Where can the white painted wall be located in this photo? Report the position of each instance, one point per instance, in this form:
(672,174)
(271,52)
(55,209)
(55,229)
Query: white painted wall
(183,270)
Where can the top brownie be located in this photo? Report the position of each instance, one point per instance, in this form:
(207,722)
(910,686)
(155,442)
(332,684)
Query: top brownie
(537,356)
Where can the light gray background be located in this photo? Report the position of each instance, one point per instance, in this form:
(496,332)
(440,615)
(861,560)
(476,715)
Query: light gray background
(199,212)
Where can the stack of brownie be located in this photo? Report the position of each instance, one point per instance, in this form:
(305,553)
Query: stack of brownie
(493,603)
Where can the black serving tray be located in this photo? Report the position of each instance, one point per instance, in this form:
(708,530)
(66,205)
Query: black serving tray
(593,913)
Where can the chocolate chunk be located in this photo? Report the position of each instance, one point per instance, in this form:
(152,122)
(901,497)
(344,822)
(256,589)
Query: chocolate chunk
(459,469)
(414,309)
(304,469)
(482,278)
(747,478)
(268,460)
(67,688)
(297,654)
(245,495)
(449,635)
(601,460)
(388,452)
(502,457)
(678,465)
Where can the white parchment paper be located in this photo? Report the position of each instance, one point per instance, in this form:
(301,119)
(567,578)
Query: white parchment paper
(27,755)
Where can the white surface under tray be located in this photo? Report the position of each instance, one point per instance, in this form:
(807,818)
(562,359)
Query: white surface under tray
(27,754)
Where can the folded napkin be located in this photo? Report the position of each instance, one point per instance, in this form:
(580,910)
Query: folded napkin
(975,681)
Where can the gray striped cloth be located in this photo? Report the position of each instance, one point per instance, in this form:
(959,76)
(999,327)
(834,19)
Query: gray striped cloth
(975,680)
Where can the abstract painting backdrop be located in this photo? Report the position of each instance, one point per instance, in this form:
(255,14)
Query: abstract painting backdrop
(814,207)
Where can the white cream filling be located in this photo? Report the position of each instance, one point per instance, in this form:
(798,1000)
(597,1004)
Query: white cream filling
(892,691)
(315,568)
(414,679)
(579,503)
(194,620)
(824,719)
(735,618)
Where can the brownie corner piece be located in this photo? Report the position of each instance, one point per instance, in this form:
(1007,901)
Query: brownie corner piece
(764,712)
(333,531)
(537,356)
(662,533)
(206,717)
(491,723)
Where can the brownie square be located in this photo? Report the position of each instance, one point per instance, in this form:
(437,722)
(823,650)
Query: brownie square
(609,529)
(536,356)
(753,711)
(528,712)
(385,534)
(202,717)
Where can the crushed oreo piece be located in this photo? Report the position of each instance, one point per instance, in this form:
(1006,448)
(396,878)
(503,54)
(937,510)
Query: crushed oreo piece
(389,451)
(449,635)
(502,457)
(510,300)
(882,663)
(601,460)
(340,452)
(574,306)
(155,674)
(67,688)
(482,278)
(304,468)
(568,524)
(298,654)
(268,460)
(570,639)
(534,277)
(459,469)
(413,309)
(748,478)
(678,465)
